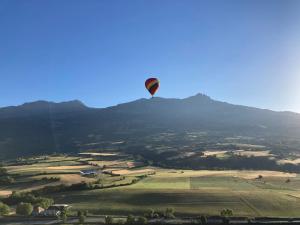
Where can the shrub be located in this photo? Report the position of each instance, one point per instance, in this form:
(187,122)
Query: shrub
(4,209)
(6,180)
(169,213)
(203,220)
(150,213)
(64,216)
(24,209)
(81,219)
(51,179)
(3,171)
(130,219)
(43,202)
(85,212)
(226,212)
(142,220)
(108,220)
(79,213)
(16,198)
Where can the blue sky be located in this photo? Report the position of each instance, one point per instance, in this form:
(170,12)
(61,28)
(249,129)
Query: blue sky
(101,52)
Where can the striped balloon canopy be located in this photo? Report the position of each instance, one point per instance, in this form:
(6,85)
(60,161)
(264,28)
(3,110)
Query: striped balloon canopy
(152,85)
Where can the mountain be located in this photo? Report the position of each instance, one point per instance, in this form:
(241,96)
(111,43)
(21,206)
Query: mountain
(43,127)
(40,108)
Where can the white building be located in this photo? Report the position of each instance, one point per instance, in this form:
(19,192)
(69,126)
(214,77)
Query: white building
(88,172)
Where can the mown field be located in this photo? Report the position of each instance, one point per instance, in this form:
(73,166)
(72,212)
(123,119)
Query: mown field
(39,171)
(189,192)
(195,193)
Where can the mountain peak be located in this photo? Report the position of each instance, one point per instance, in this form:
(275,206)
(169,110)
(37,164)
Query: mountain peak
(73,103)
(43,103)
(199,96)
(44,126)
(41,107)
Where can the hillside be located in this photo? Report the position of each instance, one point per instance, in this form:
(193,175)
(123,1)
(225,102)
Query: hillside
(43,127)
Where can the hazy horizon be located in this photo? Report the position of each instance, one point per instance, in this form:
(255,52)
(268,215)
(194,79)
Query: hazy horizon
(101,52)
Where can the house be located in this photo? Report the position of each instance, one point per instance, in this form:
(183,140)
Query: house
(88,172)
(37,211)
(55,210)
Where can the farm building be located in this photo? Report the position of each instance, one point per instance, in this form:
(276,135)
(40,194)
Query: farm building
(37,211)
(55,210)
(89,172)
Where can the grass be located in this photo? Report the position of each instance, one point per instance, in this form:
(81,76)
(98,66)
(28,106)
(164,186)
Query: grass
(191,194)
(46,165)
(195,202)
(29,177)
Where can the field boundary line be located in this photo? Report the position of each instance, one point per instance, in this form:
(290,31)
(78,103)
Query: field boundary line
(247,203)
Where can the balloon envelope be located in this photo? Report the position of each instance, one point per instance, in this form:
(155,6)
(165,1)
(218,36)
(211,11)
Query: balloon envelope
(152,85)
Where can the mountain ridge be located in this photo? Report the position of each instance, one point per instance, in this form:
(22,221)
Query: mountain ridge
(81,104)
(41,126)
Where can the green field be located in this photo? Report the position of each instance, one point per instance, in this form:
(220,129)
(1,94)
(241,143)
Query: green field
(195,195)
(189,192)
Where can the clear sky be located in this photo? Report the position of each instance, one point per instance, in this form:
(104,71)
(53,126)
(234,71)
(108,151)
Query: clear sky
(101,51)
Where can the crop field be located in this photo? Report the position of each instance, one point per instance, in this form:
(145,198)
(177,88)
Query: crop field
(33,175)
(189,192)
(197,192)
(38,172)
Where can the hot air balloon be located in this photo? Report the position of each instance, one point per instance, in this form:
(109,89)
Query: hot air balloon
(152,85)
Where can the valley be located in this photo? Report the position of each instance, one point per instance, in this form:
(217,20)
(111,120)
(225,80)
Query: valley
(208,158)
(123,185)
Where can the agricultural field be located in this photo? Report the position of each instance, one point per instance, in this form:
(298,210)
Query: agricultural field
(197,192)
(36,173)
(190,192)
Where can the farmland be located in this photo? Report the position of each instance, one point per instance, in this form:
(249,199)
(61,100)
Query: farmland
(38,172)
(194,192)
(189,192)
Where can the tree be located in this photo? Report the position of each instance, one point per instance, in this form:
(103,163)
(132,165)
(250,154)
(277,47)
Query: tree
(79,213)
(4,209)
(44,202)
(3,171)
(85,212)
(203,220)
(64,215)
(169,213)
(226,212)
(142,220)
(81,219)
(130,219)
(24,209)
(6,180)
(108,220)
(150,213)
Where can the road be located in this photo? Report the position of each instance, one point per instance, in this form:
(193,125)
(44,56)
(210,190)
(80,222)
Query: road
(101,219)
